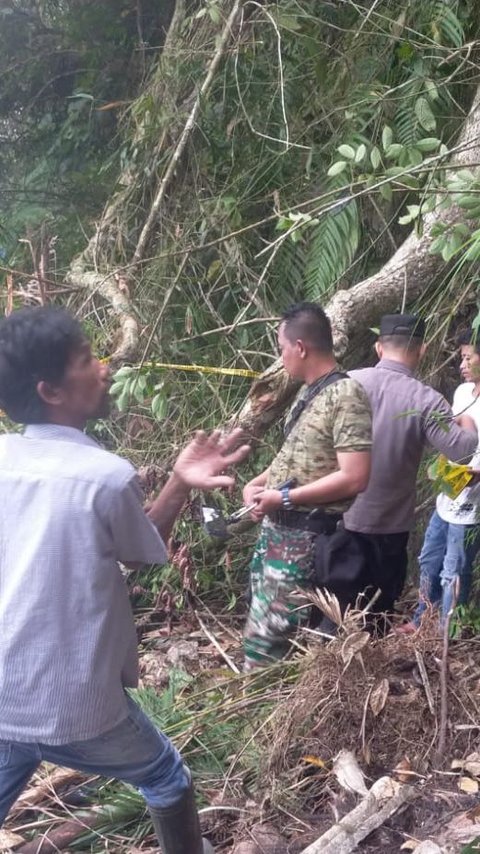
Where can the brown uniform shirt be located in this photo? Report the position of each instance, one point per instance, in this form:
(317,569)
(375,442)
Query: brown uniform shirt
(337,419)
(407,416)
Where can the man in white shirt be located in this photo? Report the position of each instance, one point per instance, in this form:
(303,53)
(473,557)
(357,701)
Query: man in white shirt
(452,538)
(70,512)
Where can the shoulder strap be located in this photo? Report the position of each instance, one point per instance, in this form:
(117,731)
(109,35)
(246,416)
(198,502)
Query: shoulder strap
(316,387)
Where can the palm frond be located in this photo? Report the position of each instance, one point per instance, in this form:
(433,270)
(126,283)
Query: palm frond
(332,245)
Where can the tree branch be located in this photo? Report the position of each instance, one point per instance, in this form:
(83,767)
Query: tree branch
(409,271)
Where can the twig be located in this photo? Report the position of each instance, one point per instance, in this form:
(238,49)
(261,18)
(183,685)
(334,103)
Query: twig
(466,726)
(220,808)
(152,218)
(425,681)
(442,733)
(216,644)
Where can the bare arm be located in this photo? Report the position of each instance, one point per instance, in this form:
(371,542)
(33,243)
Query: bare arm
(199,466)
(455,437)
(467,422)
(350,479)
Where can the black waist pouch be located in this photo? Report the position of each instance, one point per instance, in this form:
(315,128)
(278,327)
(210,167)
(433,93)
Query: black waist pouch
(340,564)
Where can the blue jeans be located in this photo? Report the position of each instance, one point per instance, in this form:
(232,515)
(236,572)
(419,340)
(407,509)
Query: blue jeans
(446,559)
(134,751)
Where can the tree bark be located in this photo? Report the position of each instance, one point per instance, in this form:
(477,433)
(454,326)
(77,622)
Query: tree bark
(407,275)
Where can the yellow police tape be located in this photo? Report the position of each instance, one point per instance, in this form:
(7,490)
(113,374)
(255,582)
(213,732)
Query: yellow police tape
(203,369)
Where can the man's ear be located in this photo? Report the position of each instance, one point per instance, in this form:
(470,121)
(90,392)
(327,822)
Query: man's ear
(379,349)
(422,351)
(302,350)
(50,394)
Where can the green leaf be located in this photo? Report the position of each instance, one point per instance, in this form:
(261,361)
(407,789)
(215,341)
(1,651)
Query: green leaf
(386,192)
(346,151)
(460,228)
(451,247)
(469,202)
(413,212)
(393,171)
(283,223)
(360,153)
(214,14)
(159,406)
(123,400)
(336,168)
(431,90)
(375,157)
(124,372)
(410,182)
(387,137)
(415,157)
(116,389)
(438,228)
(429,143)
(424,114)
(437,246)
(393,151)
(473,252)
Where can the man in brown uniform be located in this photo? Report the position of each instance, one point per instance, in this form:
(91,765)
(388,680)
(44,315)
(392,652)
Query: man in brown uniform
(407,417)
(327,452)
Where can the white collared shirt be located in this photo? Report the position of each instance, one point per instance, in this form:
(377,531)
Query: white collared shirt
(68,512)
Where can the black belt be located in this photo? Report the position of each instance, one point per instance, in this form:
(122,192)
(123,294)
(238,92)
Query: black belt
(317,522)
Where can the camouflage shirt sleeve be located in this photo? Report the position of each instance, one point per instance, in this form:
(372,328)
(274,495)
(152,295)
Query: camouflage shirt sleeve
(351,416)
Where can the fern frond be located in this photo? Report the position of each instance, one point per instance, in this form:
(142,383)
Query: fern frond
(290,270)
(446,25)
(331,248)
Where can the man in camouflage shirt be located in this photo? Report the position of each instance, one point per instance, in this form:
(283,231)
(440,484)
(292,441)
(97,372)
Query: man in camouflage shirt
(327,453)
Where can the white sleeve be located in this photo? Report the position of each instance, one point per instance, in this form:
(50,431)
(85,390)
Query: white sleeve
(461,399)
(135,537)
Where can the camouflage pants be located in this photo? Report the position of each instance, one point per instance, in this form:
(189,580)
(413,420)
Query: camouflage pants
(281,564)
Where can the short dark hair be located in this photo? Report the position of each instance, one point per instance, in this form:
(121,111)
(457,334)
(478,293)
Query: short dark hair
(308,321)
(35,344)
(401,342)
(469,337)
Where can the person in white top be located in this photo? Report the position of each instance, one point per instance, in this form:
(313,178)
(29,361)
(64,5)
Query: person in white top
(71,512)
(452,538)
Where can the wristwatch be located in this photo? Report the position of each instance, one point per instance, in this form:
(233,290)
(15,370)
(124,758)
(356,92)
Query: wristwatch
(287,504)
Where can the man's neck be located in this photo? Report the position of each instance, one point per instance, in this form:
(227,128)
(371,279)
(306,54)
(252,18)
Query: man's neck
(401,358)
(65,420)
(319,369)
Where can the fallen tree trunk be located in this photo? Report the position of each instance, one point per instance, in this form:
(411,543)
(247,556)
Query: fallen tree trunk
(407,275)
(384,798)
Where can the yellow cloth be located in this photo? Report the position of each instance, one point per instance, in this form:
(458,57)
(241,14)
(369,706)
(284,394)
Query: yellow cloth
(450,478)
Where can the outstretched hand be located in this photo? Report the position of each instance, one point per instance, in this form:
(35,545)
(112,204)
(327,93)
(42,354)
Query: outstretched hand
(202,462)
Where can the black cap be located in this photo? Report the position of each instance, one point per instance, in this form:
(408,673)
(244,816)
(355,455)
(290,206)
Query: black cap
(402,324)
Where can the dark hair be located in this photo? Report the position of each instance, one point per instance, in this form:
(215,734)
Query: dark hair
(469,337)
(401,342)
(35,344)
(308,321)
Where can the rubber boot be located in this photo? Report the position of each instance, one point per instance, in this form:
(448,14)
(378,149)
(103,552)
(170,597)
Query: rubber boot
(178,828)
